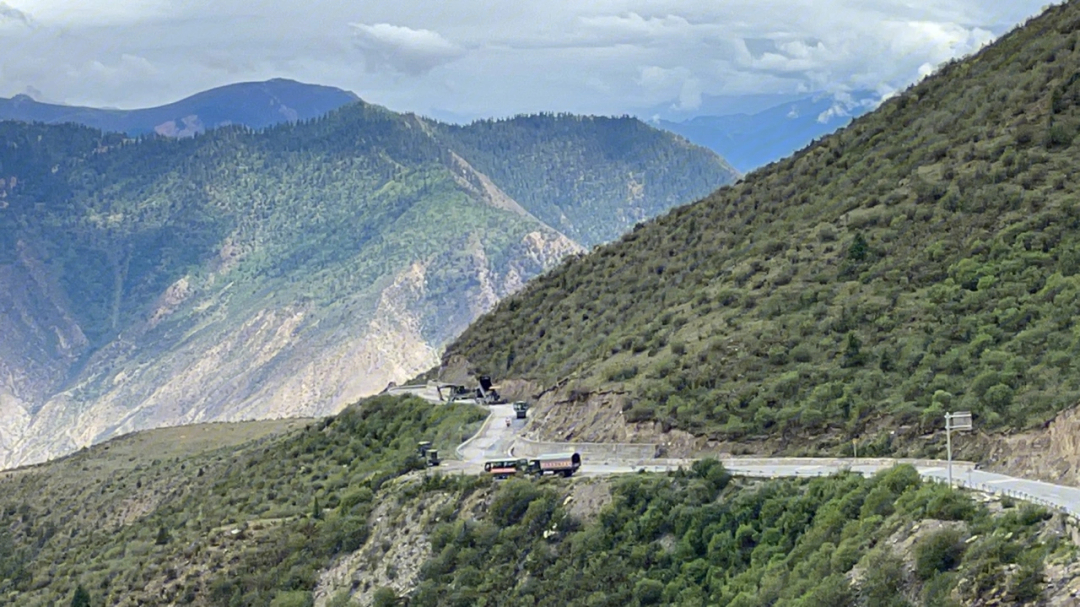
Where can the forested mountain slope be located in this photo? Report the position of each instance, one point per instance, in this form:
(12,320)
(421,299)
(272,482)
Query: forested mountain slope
(926,258)
(251,104)
(246,273)
(531,156)
(334,512)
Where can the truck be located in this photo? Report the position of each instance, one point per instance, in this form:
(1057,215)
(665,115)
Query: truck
(426,454)
(520,408)
(505,468)
(561,464)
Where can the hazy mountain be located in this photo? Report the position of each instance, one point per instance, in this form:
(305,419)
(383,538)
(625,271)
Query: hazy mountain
(253,104)
(240,274)
(754,139)
(921,260)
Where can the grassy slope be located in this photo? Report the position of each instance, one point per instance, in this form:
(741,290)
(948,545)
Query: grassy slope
(97,518)
(925,258)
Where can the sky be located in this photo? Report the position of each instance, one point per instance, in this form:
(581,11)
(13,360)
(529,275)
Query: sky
(464,59)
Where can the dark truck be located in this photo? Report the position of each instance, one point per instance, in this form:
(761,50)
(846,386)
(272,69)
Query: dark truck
(562,464)
(426,454)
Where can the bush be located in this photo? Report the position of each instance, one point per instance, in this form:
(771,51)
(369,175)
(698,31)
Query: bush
(384,597)
(649,592)
(938,552)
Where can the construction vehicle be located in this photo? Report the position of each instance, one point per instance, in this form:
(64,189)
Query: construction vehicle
(520,408)
(426,454)
(485,394)
(449,393)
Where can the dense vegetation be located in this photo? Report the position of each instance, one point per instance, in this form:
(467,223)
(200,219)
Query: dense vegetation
(323,208)
(641,175)
(249,524)
(691,539)
(253,514)
(922,259)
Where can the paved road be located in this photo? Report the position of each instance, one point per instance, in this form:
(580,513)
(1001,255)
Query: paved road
(496,440)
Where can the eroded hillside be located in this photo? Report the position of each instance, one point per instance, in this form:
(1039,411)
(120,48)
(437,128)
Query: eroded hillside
(257,274)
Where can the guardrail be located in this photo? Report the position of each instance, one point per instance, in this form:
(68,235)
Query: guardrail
(1072,513)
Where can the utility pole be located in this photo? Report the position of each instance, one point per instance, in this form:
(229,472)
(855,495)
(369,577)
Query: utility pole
(961,420)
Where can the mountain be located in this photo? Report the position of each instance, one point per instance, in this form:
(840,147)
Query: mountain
(750,141)
(253,104)
(335,512)
(250,274)
(921,260)
(531,156)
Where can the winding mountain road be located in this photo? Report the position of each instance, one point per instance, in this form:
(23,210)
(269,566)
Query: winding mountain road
(496,439)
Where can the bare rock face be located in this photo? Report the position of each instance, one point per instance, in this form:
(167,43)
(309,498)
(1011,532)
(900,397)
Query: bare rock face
(1051,454)
(271,362)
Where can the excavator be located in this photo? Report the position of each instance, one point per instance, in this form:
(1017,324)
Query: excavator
(485,394)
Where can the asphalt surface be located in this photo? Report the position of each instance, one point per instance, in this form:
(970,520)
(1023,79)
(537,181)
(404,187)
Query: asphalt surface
(496,437)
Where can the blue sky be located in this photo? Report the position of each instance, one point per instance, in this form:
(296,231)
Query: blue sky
(465,59)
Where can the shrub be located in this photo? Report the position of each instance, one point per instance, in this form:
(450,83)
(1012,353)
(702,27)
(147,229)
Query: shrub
(938,552)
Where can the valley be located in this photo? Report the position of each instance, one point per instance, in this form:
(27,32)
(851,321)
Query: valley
(250,274)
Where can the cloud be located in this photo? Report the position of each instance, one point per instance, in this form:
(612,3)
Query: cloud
(13,15)
(402,49)
(470,58)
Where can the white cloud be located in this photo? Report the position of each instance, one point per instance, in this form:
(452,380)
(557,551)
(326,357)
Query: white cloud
(11,14)
(491,57)
(402,49)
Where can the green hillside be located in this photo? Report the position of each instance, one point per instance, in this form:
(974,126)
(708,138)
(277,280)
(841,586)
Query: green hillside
(256,514)
(925,258)
(591,178)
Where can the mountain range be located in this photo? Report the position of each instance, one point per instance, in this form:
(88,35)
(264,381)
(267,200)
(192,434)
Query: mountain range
(748,132)
(253,104)
(248,274)
(749,140)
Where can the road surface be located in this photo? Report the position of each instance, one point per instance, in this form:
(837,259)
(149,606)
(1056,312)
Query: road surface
(496,438)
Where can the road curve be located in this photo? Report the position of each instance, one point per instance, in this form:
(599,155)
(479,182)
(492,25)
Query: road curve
(497,436)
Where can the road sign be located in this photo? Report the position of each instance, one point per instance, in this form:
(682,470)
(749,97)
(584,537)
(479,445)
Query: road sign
(961,420)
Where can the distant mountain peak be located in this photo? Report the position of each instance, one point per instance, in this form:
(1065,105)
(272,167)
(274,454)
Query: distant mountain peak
(254,104)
